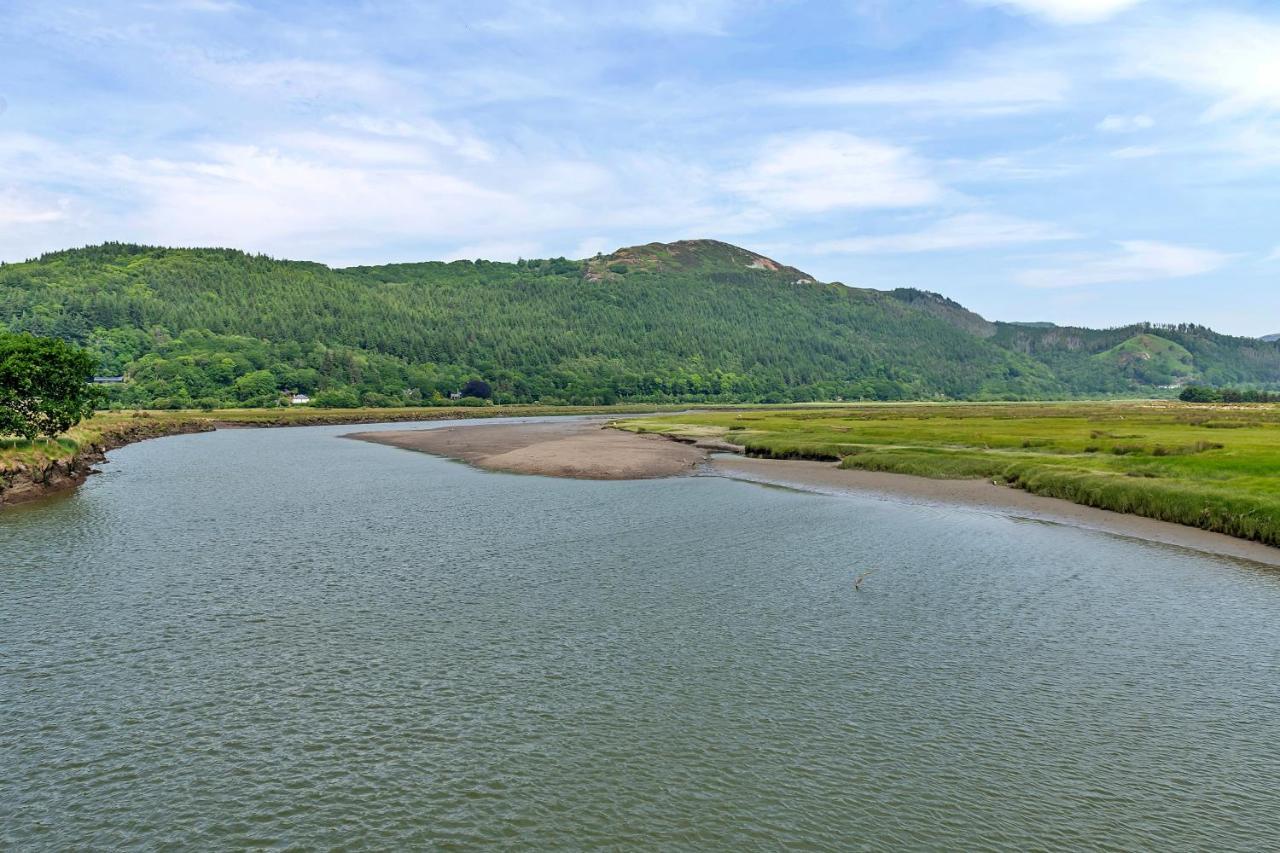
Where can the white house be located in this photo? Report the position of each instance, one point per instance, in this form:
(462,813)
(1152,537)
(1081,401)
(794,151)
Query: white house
(299,400)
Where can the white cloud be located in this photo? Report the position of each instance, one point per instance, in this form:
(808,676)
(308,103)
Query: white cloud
(1254,145)
(216,6)
(496,250)
(425,130)
(699,17)
(349,198)
(1014,91)
(1066,11)
(966,231)
(303,80)
(1135,260)
(1125,124)
(247,196)
(817,172)
(16,210)
(1233,59)
(591,246)
(1135,152)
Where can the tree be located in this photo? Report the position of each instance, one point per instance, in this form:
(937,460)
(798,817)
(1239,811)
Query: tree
(259,383)
(337,398)
(1199,394)
(44,386)
(477,388)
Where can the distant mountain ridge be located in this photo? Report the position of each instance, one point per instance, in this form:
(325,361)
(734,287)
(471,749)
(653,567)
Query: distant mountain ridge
(694,320)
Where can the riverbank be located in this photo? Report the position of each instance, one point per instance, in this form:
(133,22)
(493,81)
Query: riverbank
(1212,467)
(983,495)
(586,450)
(30,470)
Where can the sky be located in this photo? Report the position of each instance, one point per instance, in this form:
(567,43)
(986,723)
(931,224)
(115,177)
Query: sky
(1087,162)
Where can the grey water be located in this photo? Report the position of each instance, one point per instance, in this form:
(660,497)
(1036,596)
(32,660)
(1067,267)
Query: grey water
(283,638)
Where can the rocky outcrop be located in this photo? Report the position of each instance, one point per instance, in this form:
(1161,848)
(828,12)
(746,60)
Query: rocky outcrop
(24,481)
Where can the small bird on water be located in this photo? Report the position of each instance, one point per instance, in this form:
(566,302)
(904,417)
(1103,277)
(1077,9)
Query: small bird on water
(857,584)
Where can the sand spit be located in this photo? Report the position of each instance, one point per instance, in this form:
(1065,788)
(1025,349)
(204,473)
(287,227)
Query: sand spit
(584,449)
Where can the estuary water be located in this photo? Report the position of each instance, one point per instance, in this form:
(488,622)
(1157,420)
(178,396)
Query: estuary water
(283,638)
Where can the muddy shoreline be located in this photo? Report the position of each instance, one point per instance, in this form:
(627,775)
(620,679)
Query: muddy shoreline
(983,495)
(588,449)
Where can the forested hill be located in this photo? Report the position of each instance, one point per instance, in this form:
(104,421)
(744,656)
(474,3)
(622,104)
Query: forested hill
(695,320)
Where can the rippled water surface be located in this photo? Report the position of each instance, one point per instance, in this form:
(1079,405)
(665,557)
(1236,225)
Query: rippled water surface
(284,638)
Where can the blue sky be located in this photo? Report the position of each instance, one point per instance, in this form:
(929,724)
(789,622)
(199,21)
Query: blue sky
(1083,161)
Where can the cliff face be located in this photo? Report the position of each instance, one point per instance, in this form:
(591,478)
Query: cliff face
(24,481)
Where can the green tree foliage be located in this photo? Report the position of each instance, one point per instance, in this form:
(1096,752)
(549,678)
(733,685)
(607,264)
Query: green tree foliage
(477,388)
(256,385)
(1136,357)
(1202,394)
(44,386)
(697,321)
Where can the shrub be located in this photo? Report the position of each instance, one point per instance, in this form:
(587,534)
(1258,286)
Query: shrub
(477,388)
(44,386)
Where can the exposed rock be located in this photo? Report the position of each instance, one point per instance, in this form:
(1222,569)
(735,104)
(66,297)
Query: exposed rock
(21,482)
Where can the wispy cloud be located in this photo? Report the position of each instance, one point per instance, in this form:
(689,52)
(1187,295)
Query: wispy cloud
(16,210)
(1135,152)
(1015,91)
(699,17)
(1133,261)
(1230,58)
(1126,123)
(299,79)
(215,6)
(1066,11)
(966,231)
(879,133)
(817,172)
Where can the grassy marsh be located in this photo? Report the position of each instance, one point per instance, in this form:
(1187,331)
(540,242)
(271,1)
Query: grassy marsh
(1216,467)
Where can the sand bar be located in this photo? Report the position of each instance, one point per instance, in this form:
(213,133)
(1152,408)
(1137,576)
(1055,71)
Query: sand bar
(583,449)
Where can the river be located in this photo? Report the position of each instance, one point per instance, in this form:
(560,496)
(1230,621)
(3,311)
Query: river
(285,638)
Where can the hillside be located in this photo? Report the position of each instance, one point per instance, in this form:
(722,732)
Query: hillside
(695,320)
(1151,360)
(1143,356)
(947,309)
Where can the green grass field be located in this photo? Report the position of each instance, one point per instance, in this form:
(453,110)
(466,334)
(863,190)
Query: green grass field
(1216,467)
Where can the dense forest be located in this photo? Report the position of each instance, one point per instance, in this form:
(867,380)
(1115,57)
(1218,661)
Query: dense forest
(691,321)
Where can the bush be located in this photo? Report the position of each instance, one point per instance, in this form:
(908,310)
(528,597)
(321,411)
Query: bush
(374,400)
(44,386)
(477,388)
(336,398)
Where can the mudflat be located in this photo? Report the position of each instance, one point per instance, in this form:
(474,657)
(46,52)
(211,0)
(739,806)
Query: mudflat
(589,449)
(584,449)
(984,495)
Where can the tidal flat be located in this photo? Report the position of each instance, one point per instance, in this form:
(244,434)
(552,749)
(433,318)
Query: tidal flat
(1213,467)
